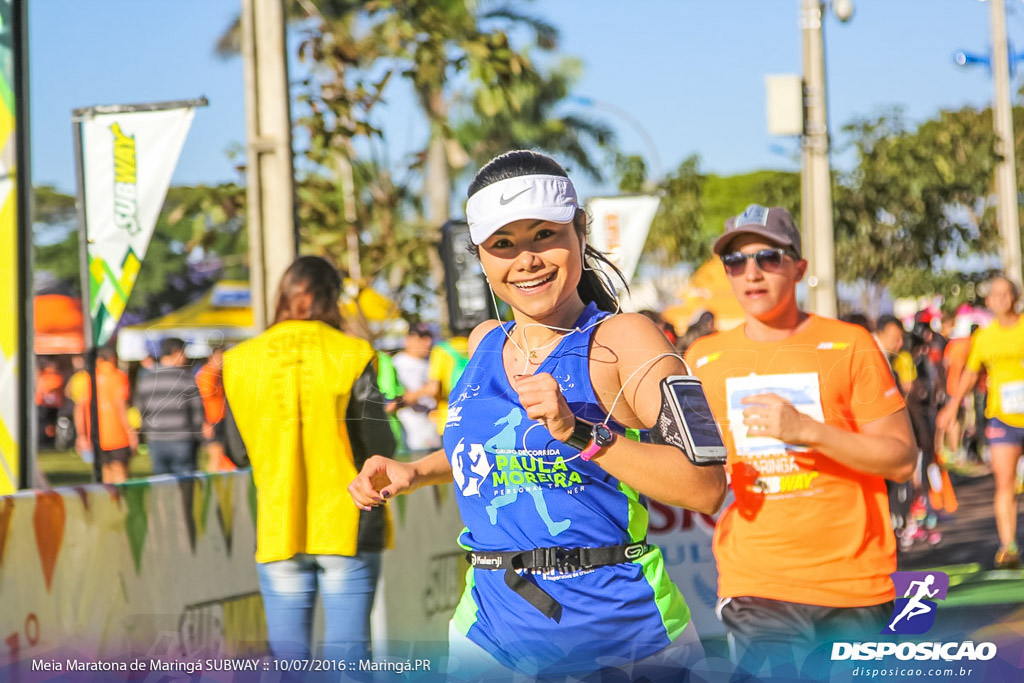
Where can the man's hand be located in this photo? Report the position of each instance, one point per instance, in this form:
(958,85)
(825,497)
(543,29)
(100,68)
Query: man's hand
(543,400)
(381,478)
(772,416)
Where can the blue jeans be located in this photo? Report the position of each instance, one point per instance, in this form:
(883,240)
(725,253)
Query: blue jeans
(172,457)
(289,589)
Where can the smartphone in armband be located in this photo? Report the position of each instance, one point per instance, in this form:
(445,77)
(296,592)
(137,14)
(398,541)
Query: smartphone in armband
(686,421)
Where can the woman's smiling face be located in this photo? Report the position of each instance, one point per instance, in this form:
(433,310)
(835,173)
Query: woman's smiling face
(535,266)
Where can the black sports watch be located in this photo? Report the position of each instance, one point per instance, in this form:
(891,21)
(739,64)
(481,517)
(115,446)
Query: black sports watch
(589,439)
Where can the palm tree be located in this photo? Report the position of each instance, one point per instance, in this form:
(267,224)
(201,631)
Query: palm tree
(489,129)
(430,42)
(436,41)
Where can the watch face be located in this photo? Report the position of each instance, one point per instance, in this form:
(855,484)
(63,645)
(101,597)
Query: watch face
(602,435)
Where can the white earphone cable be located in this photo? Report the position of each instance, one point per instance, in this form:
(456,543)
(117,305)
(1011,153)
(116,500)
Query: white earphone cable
(615,402)
(527,351)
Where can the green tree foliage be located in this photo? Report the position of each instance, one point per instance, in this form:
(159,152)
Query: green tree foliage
(51,207)
(55,236)
(199,238)
(725,196)
(694,207)
(631,170)
(493,126)
(350,208)
(915,197)
(675,234)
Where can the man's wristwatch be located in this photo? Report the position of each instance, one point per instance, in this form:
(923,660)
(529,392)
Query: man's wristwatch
(589,439)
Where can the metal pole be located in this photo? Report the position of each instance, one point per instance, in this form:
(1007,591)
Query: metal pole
(23,187)
(348,193)
(83,267)
(822,258)
(1006,171)
(270,188)
(806,188)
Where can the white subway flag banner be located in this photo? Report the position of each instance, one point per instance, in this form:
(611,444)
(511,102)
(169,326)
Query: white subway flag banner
(128,160)
(619,228)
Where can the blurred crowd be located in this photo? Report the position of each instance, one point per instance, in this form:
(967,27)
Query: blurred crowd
(173,402)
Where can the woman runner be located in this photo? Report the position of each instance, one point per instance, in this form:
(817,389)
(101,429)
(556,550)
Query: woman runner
(563,581)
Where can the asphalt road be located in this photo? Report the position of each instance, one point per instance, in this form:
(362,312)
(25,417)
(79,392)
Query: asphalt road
(969,534)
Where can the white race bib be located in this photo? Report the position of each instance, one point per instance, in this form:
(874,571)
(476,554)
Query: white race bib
(801,389)
(1011,398)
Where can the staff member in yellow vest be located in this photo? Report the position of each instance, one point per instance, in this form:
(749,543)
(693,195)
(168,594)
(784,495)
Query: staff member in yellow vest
(303,404)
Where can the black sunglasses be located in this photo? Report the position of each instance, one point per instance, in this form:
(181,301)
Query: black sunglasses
(768,260)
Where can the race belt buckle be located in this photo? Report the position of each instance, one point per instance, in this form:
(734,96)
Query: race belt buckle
(562,560)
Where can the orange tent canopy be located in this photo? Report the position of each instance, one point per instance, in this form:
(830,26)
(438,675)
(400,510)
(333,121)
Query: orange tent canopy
(58,325)
(707,290)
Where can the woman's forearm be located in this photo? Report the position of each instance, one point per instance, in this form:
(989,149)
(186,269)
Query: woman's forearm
(432,469)
(665,474)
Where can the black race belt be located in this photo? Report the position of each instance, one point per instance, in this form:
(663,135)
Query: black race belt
(562,560)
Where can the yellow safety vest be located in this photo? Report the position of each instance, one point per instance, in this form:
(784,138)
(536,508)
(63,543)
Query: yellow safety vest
(289,390)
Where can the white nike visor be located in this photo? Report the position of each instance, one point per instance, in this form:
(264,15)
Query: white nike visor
(541,197)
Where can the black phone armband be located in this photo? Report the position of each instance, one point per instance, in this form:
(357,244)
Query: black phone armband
(667,431)
(671,430)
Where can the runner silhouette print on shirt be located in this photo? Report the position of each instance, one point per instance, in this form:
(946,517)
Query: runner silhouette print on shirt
(505,442)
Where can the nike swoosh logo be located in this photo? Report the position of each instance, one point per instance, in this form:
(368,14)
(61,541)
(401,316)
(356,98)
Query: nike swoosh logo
(503,200)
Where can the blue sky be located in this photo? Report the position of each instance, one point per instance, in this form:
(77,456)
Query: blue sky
(690,72)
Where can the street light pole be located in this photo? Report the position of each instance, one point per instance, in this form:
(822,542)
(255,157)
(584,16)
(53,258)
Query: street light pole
(270,191)
(1006,171)
(816,180)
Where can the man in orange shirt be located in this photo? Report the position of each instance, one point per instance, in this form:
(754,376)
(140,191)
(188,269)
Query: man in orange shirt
(210,380)
(814,424)
(117,439)
(49,399)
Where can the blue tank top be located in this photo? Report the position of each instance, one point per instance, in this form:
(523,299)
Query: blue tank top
(519,490)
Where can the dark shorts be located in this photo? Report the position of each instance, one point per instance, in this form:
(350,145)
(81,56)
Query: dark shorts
(997,432)
(790,637)
(121,455)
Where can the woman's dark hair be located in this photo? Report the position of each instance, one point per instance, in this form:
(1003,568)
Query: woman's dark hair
(592,286)
(315,276)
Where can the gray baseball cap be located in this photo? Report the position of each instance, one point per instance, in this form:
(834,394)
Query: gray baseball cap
(774,224)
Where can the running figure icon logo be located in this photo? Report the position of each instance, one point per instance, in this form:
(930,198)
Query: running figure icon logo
(469,469)
(914,613)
